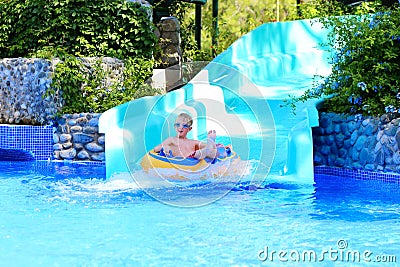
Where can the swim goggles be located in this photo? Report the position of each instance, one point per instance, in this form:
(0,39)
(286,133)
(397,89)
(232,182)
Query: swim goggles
(184,126)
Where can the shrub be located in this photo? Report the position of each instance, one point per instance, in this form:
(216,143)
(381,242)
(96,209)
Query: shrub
(92,87)
(74,29)
(114,28)
(365,76)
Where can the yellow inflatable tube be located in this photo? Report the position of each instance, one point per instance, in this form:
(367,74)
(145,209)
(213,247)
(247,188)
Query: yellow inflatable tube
(153,160)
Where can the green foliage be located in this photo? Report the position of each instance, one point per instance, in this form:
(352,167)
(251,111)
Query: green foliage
(68,29)
(184,12)
(92,87)
(237,18)
(318,8)
(113,28)
(365,76)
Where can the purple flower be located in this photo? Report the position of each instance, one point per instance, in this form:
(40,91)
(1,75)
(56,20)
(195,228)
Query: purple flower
(374,23)
(351,99)
(389,109)
(355,100)
(398,94)
(358,101)
(335,85)
(362,85)
(358,117)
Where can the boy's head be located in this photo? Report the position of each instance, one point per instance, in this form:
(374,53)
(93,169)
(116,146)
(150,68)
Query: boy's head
(185,118)
(183,124)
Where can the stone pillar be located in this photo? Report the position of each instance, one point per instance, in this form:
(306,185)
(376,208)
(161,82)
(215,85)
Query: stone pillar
(168,32)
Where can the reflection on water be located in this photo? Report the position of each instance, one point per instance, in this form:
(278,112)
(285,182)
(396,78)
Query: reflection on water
(83,219)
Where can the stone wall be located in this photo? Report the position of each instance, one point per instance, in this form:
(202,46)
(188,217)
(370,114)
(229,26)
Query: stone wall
(23,86)
(370,143)
(168,33)
(23,83)
(77,138)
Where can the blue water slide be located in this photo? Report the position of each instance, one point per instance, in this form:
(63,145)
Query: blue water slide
(241,93)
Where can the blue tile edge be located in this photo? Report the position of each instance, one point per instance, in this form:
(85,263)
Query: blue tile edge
(358,174)
(75,162)
(36,139)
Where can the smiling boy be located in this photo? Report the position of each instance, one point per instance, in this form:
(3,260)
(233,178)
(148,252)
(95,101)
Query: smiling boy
(181,146)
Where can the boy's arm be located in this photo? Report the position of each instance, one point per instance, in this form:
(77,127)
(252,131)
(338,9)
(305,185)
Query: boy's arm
(165,142)
(207,150)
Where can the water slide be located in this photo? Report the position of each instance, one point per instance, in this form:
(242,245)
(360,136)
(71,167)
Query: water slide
(241,94)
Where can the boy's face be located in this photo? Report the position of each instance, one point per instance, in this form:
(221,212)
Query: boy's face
(182,127)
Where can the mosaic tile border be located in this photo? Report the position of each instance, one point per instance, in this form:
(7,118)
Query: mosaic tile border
(91,163)
(358,174)
(37,139)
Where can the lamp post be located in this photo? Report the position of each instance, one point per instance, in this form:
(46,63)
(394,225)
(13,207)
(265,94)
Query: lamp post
(198,26)
(277,10)
(214,40)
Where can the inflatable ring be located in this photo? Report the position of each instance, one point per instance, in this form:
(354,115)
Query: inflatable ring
(154,160)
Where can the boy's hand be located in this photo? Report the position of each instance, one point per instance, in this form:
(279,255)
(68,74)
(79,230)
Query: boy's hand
(212,135)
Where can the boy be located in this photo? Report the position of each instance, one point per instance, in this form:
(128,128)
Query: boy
(181,146)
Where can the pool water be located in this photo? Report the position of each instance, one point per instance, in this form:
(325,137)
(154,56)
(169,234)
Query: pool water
(56,214)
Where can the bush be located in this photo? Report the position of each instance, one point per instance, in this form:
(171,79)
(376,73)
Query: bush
(92,87)
(85,28)
(74,29)
(365,76)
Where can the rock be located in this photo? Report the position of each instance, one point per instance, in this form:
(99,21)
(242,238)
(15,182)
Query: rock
(76,129)
(370,130)
(325,150)
(396,157)
(68,154)
(56,139)
(342,153)
(169,24)
(94,147)
(369,167)
(351,126)
(319,159)
(99,156)
(390,130)
(319,140)
(339,162)
(82,120)
(398,138)
(82,138)
(347,144)
(94,122)
(390,168)
(78,146)
(57,147)
(101,140)
(90,130)
(379,157)
(67,145)
(330,129)
(353,138)
(334,149)
(360,142)
(355,155)
(329,140)
(65,138)
(357,165)
(364,157)
(344,129)
(339,139)
(324,121)
(83,155)
(72,122)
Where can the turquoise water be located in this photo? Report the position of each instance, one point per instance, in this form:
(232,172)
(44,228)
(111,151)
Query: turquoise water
(67,215)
